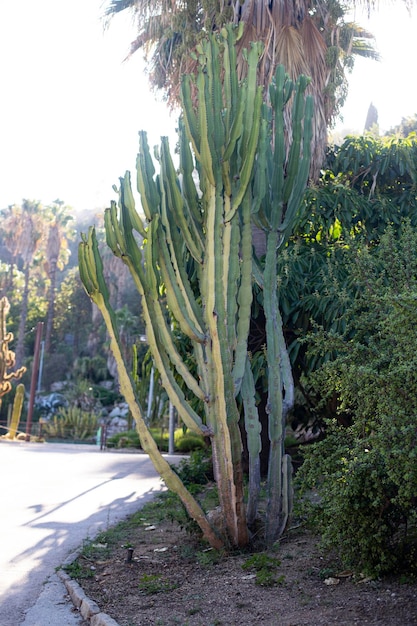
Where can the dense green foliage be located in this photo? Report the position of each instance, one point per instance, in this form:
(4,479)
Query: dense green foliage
(366,474)
(369,185)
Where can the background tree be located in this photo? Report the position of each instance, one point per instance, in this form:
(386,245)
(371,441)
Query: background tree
(370,185)
(308,37)
(407,126)
(57,255)
(27,221)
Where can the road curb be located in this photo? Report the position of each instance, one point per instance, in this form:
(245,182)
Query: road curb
(88,609)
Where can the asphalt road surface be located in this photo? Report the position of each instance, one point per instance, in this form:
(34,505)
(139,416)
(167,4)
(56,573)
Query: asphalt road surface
(52,498)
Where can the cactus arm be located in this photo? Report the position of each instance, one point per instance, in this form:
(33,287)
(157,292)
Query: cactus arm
(175,200)
(260,183)
(214,96)
(127,200)
(274,405)
(189,191)
(244,296)
(297,192)
(90,266)
(131,255)
(251,98)
(285,192)
(249,159)
(231,238)
(235,131)
(295,150)
(253,431)
(276,165)
(178,303)
(145,177)
(160,337)
(205,153)
(189,116)
(287,492)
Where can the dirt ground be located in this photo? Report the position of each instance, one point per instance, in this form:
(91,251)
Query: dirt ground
(171,580)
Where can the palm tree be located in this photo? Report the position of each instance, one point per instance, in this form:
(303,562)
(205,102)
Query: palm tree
(57,256)
(10,234)
(307,37)
(28,237)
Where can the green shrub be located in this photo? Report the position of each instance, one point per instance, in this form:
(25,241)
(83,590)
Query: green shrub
(362,510)
(366,474)
(265,567)
(196,470)
(183,442)
(190,442)
(125,439)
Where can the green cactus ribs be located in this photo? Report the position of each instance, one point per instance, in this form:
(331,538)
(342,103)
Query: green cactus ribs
(189,251)
(7,356)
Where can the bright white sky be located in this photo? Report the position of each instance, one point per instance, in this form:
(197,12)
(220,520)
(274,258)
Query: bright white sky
(71,109)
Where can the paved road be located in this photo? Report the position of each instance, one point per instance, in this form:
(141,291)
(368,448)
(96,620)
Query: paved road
(53,497)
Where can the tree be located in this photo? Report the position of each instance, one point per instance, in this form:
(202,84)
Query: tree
(28,229)
(57,256)
(10,233)
(307,37)
(198,253)
(407,126)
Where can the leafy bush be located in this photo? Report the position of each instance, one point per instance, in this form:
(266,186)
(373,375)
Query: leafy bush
(183,442)
(197,470)
(364,510)
(125,439)
(189,442)
(366,474)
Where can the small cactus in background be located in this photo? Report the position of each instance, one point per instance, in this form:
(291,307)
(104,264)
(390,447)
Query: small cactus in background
(17,410)
(7,357)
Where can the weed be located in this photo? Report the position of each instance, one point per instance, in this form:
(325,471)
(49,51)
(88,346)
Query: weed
(154,583)
(77,571)
(265,567)
(209,557)
(197,470)
(326,572)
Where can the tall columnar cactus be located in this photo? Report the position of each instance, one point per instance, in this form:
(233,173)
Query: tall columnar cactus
(198,254)
(7,357)
(287,175)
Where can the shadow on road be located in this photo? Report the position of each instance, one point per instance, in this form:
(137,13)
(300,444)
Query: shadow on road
(53,549)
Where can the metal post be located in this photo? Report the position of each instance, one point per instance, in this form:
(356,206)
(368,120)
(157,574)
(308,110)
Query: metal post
(41,367)
(35,367)
(150,396)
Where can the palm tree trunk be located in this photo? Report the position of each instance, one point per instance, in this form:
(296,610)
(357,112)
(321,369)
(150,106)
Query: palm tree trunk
(51,307)
(20,346)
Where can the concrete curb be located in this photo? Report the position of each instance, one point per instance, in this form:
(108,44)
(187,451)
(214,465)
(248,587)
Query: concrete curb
(88,609)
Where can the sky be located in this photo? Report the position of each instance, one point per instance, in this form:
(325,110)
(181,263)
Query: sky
(71,108)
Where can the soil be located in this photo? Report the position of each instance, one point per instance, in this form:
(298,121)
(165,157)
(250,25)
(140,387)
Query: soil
(174,580)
